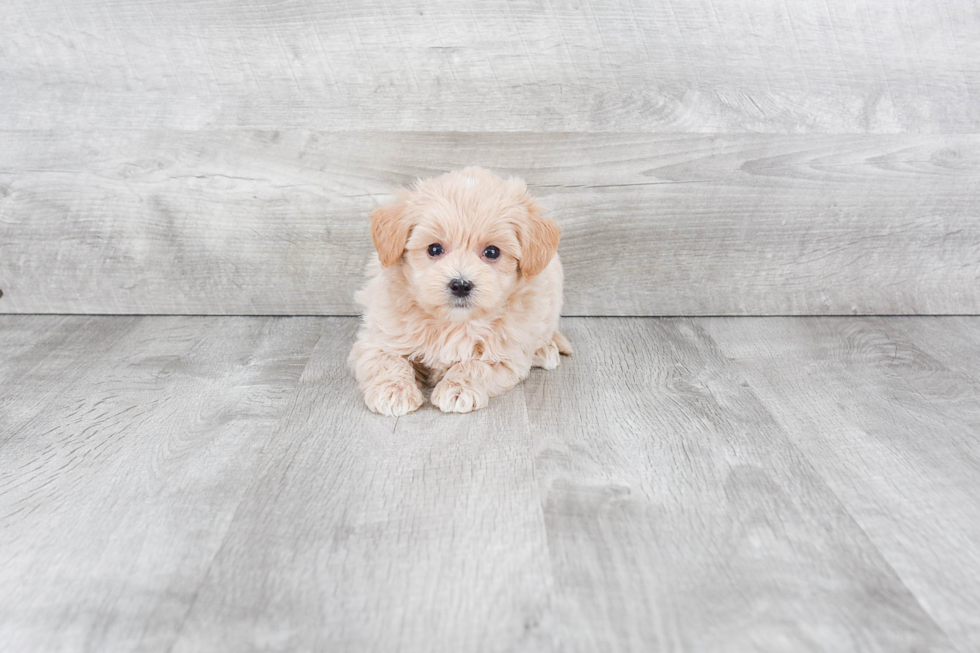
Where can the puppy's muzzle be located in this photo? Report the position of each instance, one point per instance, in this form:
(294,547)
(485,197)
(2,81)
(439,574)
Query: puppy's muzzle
(461,287)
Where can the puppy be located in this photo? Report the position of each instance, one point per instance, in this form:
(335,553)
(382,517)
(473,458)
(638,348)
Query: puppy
(464,295)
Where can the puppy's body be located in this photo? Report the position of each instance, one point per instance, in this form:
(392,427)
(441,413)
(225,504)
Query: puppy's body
(394,323)
(477,338)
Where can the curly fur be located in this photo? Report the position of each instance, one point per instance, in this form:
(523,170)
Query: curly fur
(416,332)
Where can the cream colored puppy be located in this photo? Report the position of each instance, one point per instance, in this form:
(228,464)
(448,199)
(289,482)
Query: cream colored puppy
(465,294)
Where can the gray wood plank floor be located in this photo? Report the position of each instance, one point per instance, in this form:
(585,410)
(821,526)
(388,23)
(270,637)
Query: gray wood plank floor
(695,484)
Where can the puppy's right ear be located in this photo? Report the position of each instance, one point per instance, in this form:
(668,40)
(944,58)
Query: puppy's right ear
(389,231)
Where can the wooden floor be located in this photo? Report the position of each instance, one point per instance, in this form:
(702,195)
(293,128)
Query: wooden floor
(702,484)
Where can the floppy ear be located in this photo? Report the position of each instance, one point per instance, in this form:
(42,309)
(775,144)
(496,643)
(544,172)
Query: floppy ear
(389,231)
(539,238)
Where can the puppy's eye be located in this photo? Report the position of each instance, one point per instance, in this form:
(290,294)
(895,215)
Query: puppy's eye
(435,249)
(491,252)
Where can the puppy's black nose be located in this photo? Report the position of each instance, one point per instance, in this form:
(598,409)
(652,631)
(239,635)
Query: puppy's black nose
(461,287)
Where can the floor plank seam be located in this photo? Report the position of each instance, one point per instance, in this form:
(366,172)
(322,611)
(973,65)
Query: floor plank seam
(245,493)
(549,554)
(803,456)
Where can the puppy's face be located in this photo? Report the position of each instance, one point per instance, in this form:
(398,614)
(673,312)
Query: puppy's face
(465,241)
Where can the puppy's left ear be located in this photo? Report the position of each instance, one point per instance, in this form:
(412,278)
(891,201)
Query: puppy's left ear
(539,238)
(389,231)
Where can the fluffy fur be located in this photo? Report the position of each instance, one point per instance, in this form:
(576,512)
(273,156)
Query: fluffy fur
(417,332)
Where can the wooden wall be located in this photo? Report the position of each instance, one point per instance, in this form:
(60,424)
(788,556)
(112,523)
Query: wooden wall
(704,157)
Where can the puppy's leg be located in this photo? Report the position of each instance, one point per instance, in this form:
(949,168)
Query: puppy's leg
(388,382)
(468,385)
(549,355)
(564,347)
(546,357)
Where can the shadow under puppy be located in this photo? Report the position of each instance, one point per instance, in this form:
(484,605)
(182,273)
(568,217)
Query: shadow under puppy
(464,296)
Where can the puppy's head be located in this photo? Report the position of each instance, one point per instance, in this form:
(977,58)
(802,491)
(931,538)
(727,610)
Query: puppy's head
(466,241)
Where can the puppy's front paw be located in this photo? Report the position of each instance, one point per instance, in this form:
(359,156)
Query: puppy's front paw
(457,397)
(547,357)
(393,398)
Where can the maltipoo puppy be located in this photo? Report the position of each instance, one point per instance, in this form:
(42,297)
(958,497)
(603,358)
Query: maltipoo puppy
(464,295)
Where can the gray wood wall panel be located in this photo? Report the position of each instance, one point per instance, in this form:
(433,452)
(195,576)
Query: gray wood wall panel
(271,222)
(616,65)
(780,157)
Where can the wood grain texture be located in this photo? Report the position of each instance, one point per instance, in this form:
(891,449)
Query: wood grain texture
(893,430)
(953,341)
(421,533)
(615,65)
(275,222)
(216,484)
(41,358)
(681,516)
(120,477)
